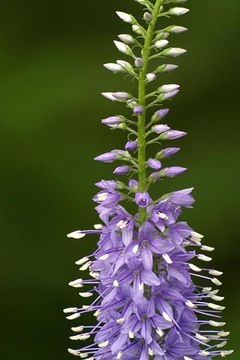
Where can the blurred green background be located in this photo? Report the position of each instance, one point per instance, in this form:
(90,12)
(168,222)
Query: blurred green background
(50,109)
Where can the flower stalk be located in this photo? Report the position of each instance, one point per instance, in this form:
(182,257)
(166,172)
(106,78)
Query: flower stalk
(142,102)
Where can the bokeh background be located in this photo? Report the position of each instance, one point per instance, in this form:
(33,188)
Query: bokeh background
(50,109)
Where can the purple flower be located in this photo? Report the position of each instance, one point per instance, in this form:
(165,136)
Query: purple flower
(173,171)
(142,199)
(131,145)
(121,170)
(159,129)
(154,164)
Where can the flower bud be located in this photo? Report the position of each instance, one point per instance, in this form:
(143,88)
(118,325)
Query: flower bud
(113,67)
(147,16)
(126,66)
(174,52)
(138,29)
(112,120)
(125,49)
(131,145)
(127,39)
(165,153)
(121,170)
(173,134)
(151,77)
(154,164)
(178,11)
(139,62)
(168,88)
(161,43)
(159,129)
(166,68)
(126,17)
(116,96)
(142,199)
(169,95)
(176,29)
(106,157)
(172,171)
(138,110)
(133,184)
(159,115)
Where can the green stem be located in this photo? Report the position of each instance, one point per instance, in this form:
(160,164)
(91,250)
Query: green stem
(142,102)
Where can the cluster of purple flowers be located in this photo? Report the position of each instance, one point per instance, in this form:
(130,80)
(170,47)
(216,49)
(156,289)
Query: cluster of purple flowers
(146,301)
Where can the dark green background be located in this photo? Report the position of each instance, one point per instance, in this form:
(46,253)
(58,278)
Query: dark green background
(50,109)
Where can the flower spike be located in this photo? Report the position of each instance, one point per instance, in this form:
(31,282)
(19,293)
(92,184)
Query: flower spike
(147,278)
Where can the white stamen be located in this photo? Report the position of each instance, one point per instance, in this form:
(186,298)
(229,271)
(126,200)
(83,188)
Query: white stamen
(79,337)
(78,329)
(216,323)
(162,215)
(85,266)
(202,338)
(203,353)
(73,352)
(207,248)
(76,235)
(70,310)
(215,306)
(103,344)
(141,287)
(190,304)
(131,335)
(187,358)
(216,282)
(226,353)
(97,313)
(116,283)
(222,344)
(76,283)
(166,316)
(98,226)
(94,275)
(135,249)
(160,332)
(119,355)
(207,289)
(167,258)
(82,261)
(195,268)
(73,316)
(223,333)
(204,257)
(86,294)
(150,352)
(215,272)
(102,196)
(104,257)
(122,224)
(120,321)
